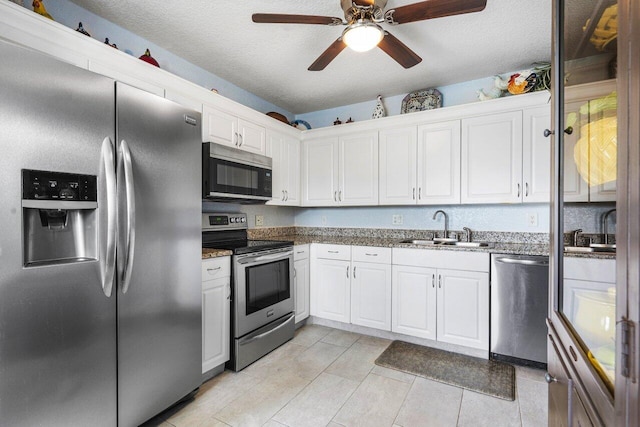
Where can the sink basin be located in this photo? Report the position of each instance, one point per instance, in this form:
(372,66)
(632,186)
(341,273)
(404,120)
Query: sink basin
(468,244)
(444,240)
(594,247)
(419,242)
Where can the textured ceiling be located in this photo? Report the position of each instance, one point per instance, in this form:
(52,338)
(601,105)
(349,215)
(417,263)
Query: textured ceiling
(271,60)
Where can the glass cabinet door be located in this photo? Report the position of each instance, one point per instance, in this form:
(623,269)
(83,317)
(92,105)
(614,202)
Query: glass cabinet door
(584,216)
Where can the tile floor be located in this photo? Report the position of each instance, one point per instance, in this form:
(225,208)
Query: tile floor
(327,377)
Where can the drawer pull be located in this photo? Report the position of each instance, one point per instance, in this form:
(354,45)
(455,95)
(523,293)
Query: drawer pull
(371,254)
(213,269)
(300,252)
(333,252)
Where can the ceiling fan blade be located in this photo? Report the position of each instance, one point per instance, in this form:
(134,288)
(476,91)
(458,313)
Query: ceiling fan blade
(430,9)
(398,51)
(328,55)
(278,18)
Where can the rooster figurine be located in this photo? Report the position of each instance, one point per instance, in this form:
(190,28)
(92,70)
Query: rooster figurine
(521,83)
(38,7)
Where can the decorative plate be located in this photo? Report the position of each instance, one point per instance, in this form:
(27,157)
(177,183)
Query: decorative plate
(426,99)
(301,124)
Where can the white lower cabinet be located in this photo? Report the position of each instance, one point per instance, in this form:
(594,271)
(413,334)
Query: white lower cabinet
(301,281)
(352,284)
(216,312)
(442,295)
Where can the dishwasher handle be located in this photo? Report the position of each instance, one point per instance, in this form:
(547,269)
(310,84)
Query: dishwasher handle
(522,261)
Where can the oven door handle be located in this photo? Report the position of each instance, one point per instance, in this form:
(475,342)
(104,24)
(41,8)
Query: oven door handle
(260,258)
(284,321)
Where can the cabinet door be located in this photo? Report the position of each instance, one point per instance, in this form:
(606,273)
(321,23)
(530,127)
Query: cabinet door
(276,150)
(576,189)
(398,166)
(332,291)
(439,163)
(291,182)
(320,172)
(371,295)
(251,137)
(492,158)
(413,301)
(536,152)
(463,308)
(301,282)
(358,169)
(218,126)
(216,311)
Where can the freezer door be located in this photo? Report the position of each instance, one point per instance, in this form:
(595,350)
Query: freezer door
(57,326)
(159,254)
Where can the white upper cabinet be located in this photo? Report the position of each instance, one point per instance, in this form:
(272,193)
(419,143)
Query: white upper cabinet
(492,158)
(439,163)
(398,166)
(226,128)
(285,152)
(340,171)
(358,169)
(536,161)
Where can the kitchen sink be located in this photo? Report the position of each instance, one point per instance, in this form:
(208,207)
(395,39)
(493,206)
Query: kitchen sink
(594,247)
(448,242)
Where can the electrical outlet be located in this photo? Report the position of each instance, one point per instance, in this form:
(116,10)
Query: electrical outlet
(396,220)
(324,220)
(532,219)
(259,220)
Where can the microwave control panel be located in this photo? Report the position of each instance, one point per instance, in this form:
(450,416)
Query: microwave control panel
(47,185)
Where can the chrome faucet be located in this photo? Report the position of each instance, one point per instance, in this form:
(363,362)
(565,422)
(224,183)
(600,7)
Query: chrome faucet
(605,225)
(574,238)
(446,221)
(467,231)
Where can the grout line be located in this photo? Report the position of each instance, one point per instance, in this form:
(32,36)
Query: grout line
(460,407)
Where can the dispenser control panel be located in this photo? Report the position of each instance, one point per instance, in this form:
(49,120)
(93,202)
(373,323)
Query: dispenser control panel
(47,185)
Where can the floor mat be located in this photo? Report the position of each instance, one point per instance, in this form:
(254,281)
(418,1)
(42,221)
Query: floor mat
(484,376)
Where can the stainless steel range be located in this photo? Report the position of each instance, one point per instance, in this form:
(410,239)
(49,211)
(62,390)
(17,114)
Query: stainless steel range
(262,317)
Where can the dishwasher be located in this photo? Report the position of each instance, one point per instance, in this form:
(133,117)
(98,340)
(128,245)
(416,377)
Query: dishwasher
(519,301)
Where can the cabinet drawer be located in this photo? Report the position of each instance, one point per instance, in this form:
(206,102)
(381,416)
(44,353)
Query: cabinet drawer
(216,268)
(453,260)
(371,254)
(300,252)
(593,270)
(327,251)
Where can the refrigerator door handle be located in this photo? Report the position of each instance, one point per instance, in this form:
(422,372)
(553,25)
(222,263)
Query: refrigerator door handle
(125,168)
(109,265)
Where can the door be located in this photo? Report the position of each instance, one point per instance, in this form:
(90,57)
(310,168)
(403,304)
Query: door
(216,327)
(285,153)
(492,158)
(58,339)
(159,306)
(536,155)
(439,163)
(398,166)
(371,295)
(414,301)
(463,308)
(219,126)
(358,166)
(301,280)
(332,290)
(320,172)
(252,137)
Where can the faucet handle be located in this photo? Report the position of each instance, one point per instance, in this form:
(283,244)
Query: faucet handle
(467,231)
(574,241)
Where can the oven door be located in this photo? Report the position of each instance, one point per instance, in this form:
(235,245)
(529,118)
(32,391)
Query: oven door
(263,289)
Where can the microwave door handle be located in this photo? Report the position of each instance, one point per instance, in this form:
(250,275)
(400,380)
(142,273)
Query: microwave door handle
(126,167)
(109,265)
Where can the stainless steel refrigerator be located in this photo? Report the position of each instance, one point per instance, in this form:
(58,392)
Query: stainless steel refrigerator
(100,210)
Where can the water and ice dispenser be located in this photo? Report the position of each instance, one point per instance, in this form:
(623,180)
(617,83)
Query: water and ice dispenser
(59,217)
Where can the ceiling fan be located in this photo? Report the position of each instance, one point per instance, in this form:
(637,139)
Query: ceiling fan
(363,32)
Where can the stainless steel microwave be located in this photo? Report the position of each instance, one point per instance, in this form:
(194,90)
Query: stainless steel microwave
(233,175)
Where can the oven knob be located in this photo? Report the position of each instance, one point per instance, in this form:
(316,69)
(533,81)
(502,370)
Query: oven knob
(232,220)
(243,219)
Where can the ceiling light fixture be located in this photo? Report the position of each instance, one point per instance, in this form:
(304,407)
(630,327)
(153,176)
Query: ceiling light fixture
(362,35)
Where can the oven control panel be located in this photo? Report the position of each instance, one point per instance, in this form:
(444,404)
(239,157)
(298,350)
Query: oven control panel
(224,221)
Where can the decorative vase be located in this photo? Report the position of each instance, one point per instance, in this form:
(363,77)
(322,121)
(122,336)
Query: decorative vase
(379,111)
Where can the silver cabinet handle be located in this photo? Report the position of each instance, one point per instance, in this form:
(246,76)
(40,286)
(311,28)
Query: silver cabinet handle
(371,254)
(526,189)
(295,273)
(286,194)
(229,292)
(419,193)
(299,252)
(549,378)
(518,190)
(433,280)
(213,269)
(241,139)
(439,281)
(347,271)
(333,252)
(237,139)
(414,193)
(125,168)
(283,195)
(335,196)
(354,272)
(109,267)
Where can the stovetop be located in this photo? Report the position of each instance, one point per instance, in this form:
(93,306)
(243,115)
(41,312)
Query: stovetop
(229,231)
